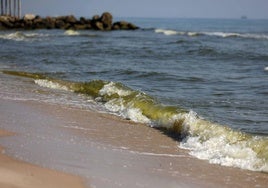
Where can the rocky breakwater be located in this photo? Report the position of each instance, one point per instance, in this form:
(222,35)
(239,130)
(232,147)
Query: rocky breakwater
(30,21)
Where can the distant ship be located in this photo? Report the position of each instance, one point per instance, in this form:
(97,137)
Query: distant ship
(244,17)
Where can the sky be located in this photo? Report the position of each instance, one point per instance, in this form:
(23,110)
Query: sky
(256,9)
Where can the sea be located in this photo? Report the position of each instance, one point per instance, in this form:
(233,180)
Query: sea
(203,80)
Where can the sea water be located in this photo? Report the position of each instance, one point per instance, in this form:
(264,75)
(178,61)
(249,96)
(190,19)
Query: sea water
(204,79)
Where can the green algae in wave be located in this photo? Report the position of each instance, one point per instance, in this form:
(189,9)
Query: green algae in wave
(25,74)
(206,140)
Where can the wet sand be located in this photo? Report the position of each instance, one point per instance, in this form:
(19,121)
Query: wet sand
(105,150)
(18,174)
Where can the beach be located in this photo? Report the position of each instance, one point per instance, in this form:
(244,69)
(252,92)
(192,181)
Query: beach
(19,174)
(104,150)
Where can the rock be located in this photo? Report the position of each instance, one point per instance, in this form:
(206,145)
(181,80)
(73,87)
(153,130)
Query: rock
(4,18)
(38,20)
(70,19)
(28,24)
(98,25)
(6,22)
(61,18)
(67,26)
(49,22)
(95,18)
(131,26)
(60,24)
(29,17)
(2,27)
(82,20)
(123,25)
(80,27)
(31,21)
(107,20)
(38,23)
(116,27)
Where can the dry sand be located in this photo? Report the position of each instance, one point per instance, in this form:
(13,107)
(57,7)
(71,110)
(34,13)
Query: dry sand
(105,150)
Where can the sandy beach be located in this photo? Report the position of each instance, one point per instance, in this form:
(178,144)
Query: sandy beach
(18,174)
(104,150)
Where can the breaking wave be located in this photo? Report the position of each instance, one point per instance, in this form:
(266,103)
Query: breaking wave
(21,36)
(71,32)
(206,140)
(216,34)
(74,33)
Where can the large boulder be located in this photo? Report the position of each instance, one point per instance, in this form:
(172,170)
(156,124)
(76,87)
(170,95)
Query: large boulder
(60,24)
(107,20)
(38,23)
(98,25)
(7,22)
(81,26)
(29,17)
(70,19)
(50,22)
(83,20)
(95,18)
(123,25)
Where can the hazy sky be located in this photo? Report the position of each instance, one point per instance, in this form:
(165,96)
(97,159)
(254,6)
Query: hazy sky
(150,8)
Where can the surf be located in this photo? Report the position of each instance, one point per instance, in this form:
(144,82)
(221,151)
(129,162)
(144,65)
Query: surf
(71,33)
(206,140)
(213,34)
(22,36)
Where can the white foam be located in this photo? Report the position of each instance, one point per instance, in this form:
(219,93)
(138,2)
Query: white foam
(151,154)
(111,88)
(136,115)
(77,128)
(50,84)
(159,154)
(17,36)
(255,36)
(20,36)
(221,145)
(241,35)
(166,32)
(217,34)
(193,34)
(218,151)
(222,34)
(71,32)
(266,68)
(117,106)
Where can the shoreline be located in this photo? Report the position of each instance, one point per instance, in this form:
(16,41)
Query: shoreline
(19,174)
(95,146)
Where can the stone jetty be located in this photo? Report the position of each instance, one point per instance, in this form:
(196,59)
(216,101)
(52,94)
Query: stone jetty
(31,22)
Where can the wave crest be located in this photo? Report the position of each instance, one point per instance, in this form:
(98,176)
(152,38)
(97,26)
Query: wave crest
(71,32)
(215,34)
(22,36)
(166,32)
(206,140)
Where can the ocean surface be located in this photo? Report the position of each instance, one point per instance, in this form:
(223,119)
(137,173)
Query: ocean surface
(205,80)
